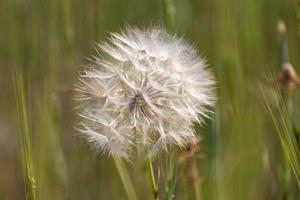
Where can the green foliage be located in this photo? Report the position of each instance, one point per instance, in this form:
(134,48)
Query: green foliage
(281,119)
(48,41)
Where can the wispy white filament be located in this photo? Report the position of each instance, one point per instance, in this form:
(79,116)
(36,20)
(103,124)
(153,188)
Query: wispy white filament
(145,86)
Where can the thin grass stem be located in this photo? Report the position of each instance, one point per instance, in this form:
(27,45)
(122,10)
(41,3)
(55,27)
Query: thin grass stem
(152,178)
(25,135)
(125,178)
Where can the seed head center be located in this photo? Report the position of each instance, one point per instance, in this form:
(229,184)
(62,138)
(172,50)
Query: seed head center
(139,99)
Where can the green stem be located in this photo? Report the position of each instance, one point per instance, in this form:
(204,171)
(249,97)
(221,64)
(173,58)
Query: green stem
(152,178)
(125,178)
(197,190)
(283,49)
(171,178)
(25,135)
(290,183)
(169,15)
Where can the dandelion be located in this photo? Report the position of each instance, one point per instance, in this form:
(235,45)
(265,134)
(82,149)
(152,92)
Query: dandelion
(144,87)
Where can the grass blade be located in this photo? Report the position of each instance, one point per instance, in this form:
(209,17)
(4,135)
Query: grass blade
(285,132)
(22,113)
(125,178)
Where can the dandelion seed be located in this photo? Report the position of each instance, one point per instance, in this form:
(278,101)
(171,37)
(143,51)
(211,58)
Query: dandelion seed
(145,87)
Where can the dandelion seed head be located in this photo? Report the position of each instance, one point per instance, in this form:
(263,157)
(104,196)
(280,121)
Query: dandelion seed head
(144,87)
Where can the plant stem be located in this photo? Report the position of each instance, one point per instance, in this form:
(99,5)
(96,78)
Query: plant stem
(197,191)
(287,104)
(25,135)
(171,172)
(196,181)
(152,178)
(169,15)
(125,179)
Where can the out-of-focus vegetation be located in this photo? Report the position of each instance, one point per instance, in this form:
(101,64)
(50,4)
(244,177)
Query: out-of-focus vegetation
(47,42)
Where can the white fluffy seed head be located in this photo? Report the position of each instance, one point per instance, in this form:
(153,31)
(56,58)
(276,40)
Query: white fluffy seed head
(144,86)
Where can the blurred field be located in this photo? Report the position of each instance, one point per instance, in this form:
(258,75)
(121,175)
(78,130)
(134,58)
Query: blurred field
(49,42)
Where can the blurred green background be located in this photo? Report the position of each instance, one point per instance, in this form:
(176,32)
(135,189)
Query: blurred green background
(49,42)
